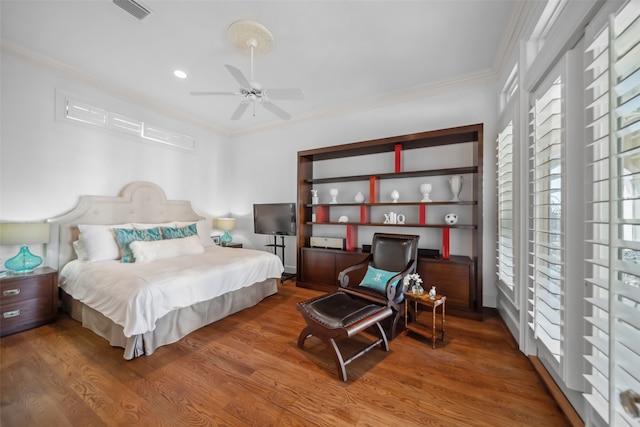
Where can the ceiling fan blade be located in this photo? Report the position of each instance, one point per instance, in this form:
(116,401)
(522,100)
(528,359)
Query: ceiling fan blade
(213,93)
(240,110)
(285,94)
(276,110)
(237,74)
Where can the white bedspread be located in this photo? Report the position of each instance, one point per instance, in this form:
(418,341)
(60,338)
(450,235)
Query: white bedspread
(135,296)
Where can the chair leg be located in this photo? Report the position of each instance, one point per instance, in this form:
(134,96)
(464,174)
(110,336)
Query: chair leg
(385,343)
(393,332)
(342,370)
(306,333)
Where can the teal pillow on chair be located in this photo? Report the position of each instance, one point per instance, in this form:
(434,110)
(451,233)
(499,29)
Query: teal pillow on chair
(377,279)
(125,236)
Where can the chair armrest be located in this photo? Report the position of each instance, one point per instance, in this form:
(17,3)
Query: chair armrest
(395,293)
(343,277)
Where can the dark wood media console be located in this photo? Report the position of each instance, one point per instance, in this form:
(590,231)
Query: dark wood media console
(455,277)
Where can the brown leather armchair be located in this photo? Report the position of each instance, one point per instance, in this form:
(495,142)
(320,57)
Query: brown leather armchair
(389,252)
(353,309)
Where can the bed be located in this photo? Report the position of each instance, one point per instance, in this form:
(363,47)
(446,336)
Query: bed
(170,288)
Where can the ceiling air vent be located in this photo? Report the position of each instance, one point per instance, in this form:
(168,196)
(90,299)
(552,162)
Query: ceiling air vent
(134,8)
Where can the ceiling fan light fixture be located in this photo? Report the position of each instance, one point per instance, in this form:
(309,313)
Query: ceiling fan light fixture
(252,37)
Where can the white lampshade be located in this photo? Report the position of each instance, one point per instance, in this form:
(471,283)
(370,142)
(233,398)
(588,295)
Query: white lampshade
(226,224)
(24,233)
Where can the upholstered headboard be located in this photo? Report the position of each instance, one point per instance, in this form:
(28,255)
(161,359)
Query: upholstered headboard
(141,202)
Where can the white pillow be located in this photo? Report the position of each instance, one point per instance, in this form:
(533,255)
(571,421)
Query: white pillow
(148,251)
(204,231)
(81,252)
(99,241)
(138,226)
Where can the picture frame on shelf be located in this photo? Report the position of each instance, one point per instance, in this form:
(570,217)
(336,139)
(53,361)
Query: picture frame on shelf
(216,240)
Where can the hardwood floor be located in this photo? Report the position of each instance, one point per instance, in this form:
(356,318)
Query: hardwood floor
(246,370)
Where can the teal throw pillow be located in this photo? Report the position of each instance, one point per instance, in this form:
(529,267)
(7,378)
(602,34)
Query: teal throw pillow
(125,236)
(180,232)
(377,279)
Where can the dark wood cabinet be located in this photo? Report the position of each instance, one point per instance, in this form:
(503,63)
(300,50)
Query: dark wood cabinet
(399,163)
(455,278)
(319,268)
(28,300)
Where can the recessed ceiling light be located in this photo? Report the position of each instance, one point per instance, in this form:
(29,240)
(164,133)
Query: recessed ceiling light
(180,74)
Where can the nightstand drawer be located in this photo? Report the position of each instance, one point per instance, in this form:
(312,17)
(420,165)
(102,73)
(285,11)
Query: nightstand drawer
(26,314)
(16,289)
(28,300)
(233,245)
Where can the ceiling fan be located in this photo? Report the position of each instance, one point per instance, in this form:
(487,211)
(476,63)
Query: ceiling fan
(249,35)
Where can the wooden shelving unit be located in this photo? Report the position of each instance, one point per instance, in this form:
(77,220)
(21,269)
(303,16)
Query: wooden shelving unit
(458,276)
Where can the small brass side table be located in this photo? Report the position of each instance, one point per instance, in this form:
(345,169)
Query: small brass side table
(424,300)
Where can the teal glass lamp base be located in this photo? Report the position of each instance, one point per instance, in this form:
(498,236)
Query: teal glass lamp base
(225,239)
(24,262)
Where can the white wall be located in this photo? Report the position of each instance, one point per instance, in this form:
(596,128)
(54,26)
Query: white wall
(47,164)
(265,162)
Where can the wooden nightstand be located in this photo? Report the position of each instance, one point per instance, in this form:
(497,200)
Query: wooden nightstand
(233,245)
(28,300)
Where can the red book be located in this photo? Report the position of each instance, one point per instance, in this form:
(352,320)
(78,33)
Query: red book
(322,214)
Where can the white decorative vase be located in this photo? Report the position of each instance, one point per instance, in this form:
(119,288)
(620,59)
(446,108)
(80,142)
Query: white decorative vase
(359,197)
(425,189)
(314,197)
(395,196)
(334,195)
(455,182)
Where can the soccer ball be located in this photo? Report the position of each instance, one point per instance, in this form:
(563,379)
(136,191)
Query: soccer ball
(451,218)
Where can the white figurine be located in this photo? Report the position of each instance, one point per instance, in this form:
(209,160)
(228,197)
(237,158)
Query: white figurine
(334,194)
(451,219)
(425,189)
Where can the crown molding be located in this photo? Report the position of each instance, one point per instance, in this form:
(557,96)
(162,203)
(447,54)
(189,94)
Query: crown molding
(483,77)
(513,33)
(480,78)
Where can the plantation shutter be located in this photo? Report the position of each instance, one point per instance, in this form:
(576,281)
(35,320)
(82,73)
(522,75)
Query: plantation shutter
(613,211)
(505,206)
(545,240)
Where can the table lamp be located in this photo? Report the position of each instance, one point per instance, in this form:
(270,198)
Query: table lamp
(226,224)
(23,234)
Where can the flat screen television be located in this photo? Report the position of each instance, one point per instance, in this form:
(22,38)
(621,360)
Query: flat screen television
(275,218)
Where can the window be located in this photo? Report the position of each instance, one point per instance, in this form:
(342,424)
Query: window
(612,243)
(505,207)
(546,219)
(547,20)
(83,112)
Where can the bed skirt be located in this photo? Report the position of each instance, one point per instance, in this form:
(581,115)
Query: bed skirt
(174,325)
